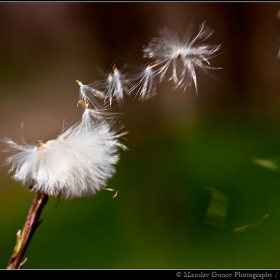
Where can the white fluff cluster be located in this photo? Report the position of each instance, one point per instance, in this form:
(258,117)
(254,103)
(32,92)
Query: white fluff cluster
(181,55)
(76,164)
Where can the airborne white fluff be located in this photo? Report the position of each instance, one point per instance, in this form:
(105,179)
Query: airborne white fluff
(183,56)
(78,163)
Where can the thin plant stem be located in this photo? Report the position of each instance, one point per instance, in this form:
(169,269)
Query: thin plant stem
(24,236)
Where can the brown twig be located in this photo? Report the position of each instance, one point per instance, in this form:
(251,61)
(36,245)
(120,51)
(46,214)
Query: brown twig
(30,226)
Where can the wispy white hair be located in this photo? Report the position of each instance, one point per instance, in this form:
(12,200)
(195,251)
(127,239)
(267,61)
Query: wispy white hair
(183,56)
(78,163)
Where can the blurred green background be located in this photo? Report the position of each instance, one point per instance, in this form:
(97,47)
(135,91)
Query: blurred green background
(182,147)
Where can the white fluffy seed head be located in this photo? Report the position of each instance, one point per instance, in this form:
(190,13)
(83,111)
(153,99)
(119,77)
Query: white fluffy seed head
(78,163)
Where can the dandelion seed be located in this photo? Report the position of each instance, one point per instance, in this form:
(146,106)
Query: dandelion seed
(89,91)
(183,56)
(144,82)
(99,111)
(114,86)
(78,163)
